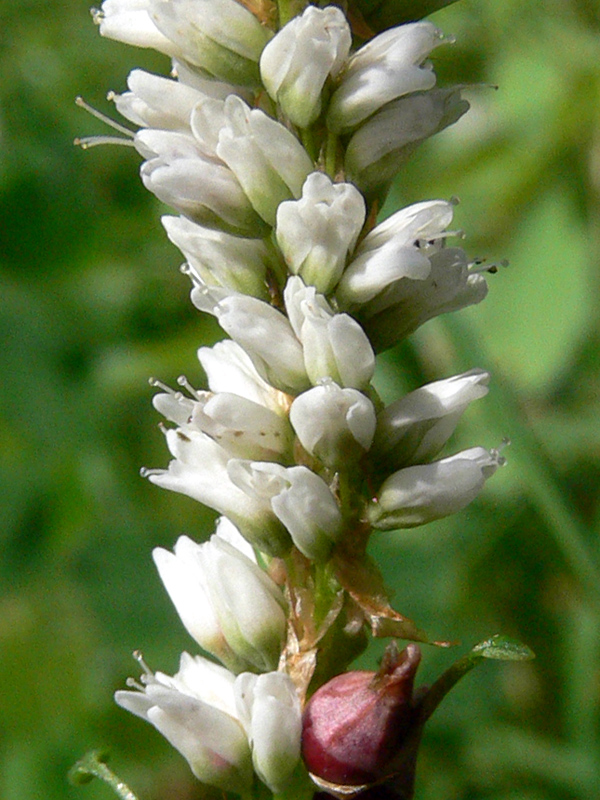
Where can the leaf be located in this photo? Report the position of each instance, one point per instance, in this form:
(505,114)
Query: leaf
(503,648)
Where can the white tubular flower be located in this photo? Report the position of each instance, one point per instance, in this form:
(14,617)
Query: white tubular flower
(421,494)
(389,66)
(195,710)
(416,427)
(379,147)
(334,345)
(317,232)
(298,60)
(220,36)
(156,102)
(130,21)
(244,428)
(226,602)
(398,248)
(267,159)
(229,369)
(300,499)
(180,173)
(267,337)
(221,259)
(406,305)
(269,709)
(199,470)
(335,425)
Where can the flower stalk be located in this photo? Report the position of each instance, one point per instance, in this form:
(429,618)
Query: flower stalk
(277,139)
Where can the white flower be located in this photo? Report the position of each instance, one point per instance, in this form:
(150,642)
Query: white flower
(416,427)
(130,21)
(316,233)
(421,494)
(156,102)
(389,66)
(334,345)
(229,369)
(220,259)
(335,425)
(300,499)
(267,159)
(382,144)
(298,60)
(269,709)
(400,247)
(220,36)
(407,304)
(195,710)
(226,602)
(266,335)
(179,172)
(199,470)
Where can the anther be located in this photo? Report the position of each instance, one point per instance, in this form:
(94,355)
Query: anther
(183,381)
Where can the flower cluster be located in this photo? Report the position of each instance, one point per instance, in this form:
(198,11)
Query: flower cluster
(277,143)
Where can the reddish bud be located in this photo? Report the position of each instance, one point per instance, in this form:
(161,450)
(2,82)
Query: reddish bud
(356,726)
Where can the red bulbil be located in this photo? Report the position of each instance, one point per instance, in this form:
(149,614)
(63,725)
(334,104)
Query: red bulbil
(354,726)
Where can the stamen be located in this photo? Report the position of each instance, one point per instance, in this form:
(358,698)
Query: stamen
(478,265)
(183,381)
(93,141)
(135,684)
(79,101)
(146,472)
(97,15)
(495,452)
(147,672)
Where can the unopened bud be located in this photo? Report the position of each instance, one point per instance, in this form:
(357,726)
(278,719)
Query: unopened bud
(356,726)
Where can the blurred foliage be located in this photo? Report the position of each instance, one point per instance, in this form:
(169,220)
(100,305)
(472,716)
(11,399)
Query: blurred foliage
(92,304)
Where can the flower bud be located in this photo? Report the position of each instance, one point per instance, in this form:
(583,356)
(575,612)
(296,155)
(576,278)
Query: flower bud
(266,158)
(300,499)
(334,345)
(226,602)
(333,424)
(398,248)
(221,259)
(421,494)
(416,427)
(220,36)
(269,709)
(389,66)
(267,336)
(195,711)
(316,233)
(382,145)
(296,63)
(156,102)
(355,727)
(180,174)
(130,22)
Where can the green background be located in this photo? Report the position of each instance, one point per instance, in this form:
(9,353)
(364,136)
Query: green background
(92,303)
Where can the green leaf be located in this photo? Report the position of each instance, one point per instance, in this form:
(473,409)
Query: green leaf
(503,648)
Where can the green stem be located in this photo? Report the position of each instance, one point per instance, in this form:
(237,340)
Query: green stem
(93,765)
(331,147)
